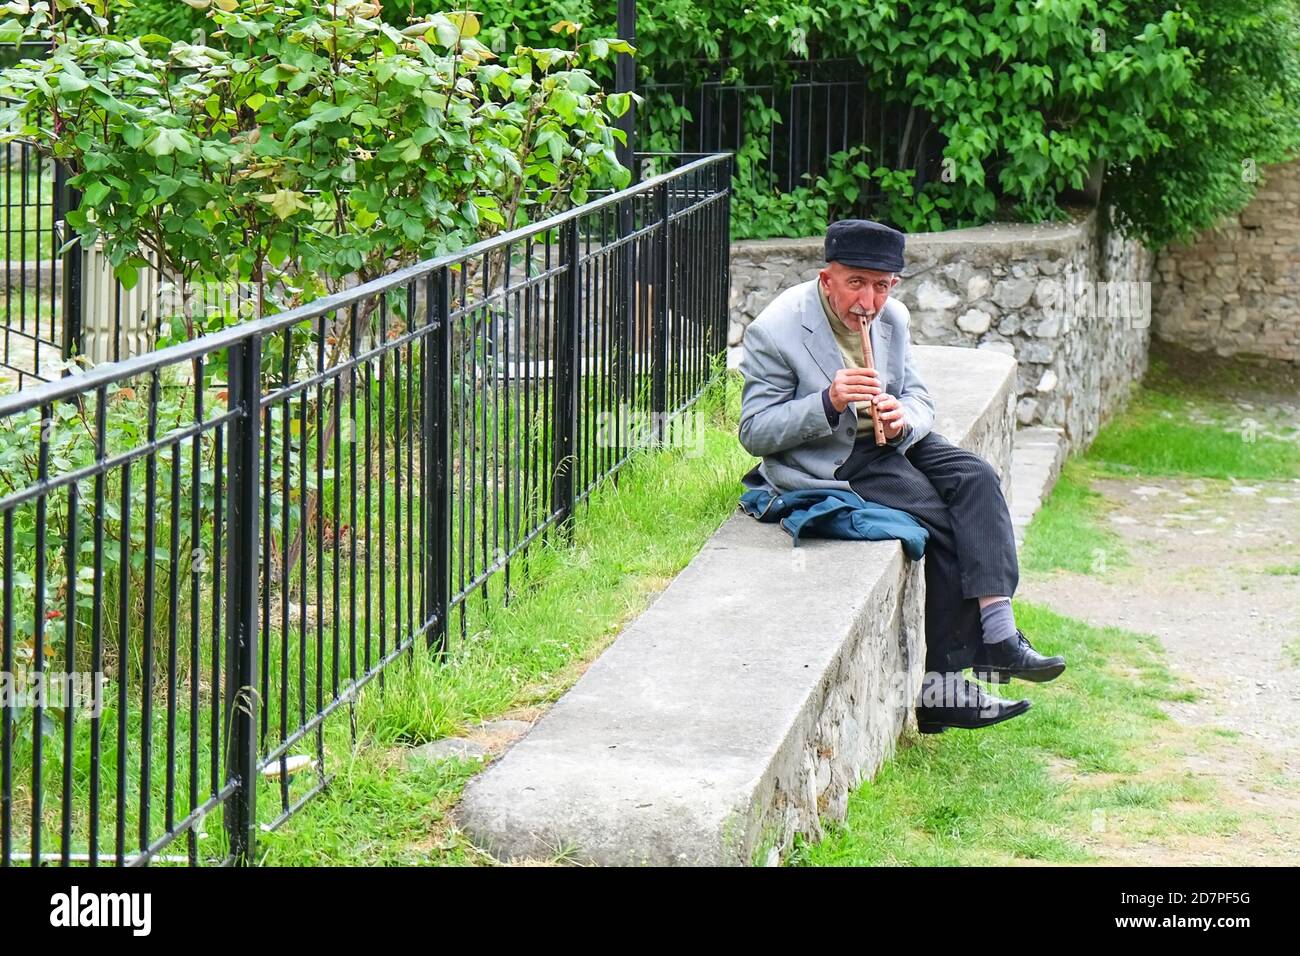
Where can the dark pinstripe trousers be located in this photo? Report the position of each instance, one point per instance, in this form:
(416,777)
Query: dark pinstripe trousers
(955,494)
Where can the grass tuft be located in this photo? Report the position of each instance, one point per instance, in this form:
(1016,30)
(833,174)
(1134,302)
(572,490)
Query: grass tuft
(1032,788)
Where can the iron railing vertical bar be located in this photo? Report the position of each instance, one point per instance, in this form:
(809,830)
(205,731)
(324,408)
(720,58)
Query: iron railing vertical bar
(336,422)
(397,491)
(147,631)
(369,545)
(7,706)
(123,657)
(319,502)
(38,638)
(286,559)
(659,334)
(354,345)
(173,627)
(218,524)
(411,547)
(383,485)
(567,371)
(267,551)
(70,669)
(300,543)
(441,396)
(511,422)
(464,410)
(244,364)
(96,623)
(197,561)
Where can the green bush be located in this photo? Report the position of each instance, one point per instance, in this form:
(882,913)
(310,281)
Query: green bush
(1182,100)
(305,141)
(173,19)
(1241,112)
(1030,97)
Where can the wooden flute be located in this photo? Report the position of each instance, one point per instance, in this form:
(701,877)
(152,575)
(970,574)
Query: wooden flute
(869,361)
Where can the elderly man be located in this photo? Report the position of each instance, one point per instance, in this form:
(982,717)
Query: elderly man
(805,413)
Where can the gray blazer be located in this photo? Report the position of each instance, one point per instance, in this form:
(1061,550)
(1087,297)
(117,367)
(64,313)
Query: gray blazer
(789,357)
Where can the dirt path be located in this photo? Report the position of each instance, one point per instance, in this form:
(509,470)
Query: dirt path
(1213,569)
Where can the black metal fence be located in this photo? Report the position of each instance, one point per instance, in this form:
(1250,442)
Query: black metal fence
(209,550)
(35,337)
(807,111)
(63,303)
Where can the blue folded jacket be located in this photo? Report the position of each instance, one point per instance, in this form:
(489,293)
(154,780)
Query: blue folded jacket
(830,513)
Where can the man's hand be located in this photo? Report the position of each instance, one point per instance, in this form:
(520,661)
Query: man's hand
(854,385)
(892,416)
(863,385)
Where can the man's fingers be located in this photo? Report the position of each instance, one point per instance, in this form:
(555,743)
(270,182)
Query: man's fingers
(890,410)
(852,387)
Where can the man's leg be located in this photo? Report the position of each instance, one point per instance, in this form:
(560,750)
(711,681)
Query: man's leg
(952,622)
(986,550)
(981,521)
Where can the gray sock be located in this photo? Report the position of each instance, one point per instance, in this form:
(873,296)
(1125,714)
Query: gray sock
(998,622)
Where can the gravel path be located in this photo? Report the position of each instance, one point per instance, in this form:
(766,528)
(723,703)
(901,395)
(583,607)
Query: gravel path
(1213,570)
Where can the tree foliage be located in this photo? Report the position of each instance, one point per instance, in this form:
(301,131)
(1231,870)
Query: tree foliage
(1182,100)
(305,141)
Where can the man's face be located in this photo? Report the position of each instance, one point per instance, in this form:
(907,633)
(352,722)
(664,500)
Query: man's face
(856,294)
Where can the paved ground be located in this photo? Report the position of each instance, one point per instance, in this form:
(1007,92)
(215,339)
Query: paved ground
(1214,571)
(1036,460)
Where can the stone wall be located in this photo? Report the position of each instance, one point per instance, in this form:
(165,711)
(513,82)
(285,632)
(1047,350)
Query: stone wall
(1071,303)
(1236,289)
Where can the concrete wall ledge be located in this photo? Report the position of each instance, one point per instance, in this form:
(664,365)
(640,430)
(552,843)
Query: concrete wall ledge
(1049,238)
(746,702)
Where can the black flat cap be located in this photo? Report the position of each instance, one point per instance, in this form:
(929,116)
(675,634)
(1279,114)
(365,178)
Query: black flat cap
(863,244)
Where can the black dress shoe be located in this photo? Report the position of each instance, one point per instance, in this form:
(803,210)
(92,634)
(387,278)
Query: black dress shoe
(949,700)
(1015,657)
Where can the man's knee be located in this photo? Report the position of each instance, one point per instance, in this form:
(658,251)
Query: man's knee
(978,477)
(985,473)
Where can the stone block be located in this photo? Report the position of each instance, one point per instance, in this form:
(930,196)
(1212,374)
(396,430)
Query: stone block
(974,321)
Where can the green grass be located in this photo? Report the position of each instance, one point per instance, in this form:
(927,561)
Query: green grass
(25,226)
(1090,754)
(1283,570)
(1070,531)
(1186,420)
(1291,651)
(1031,788)
(1158,436)
(627,544)
(1172,427)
